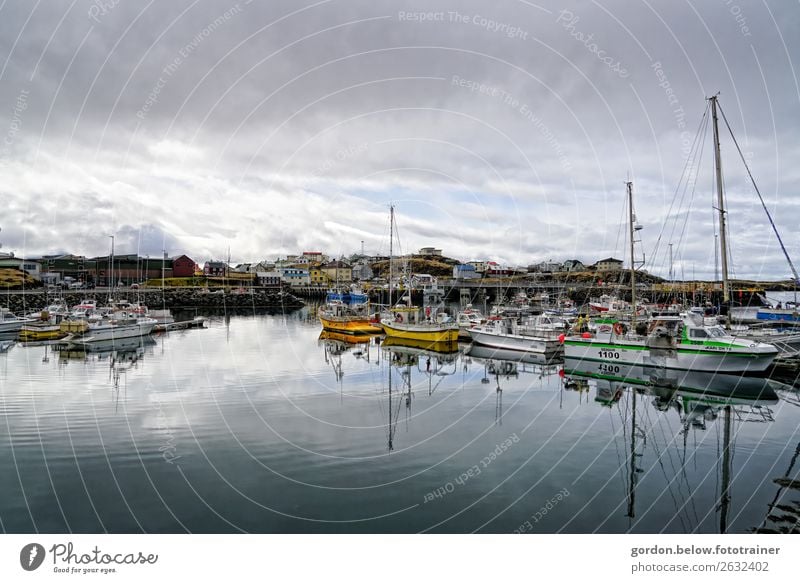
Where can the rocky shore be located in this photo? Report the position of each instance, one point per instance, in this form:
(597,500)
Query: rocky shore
(178,298)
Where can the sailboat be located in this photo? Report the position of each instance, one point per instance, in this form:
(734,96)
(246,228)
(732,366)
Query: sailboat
(674,341)
(409,322)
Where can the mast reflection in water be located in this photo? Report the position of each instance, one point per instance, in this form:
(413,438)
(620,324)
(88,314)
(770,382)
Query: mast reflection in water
(698,399)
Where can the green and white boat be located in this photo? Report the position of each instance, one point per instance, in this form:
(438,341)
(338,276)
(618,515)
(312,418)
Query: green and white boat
(679,342)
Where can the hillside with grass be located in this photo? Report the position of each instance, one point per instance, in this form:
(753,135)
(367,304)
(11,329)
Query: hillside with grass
(12,278)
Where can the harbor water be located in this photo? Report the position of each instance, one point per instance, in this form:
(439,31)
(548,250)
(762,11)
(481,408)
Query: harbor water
(257,424)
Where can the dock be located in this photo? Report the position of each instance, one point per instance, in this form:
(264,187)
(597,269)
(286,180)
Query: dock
(197,322)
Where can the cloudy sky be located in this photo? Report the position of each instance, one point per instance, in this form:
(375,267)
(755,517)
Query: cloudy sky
(501,130)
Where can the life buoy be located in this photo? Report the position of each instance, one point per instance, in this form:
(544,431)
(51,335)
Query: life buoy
(618,329)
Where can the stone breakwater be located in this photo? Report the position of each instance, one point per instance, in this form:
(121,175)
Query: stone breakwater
(158,299)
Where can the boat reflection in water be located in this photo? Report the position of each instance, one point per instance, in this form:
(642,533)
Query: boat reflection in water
(503,365)
(118,349)
(699,400)
(525,362)
(120,355)
(433,360)
(336,344)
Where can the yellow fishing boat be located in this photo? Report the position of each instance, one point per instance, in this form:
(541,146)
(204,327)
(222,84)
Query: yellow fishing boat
(348,324)
(410,323)
(46,328)
(41,331)
(347,313)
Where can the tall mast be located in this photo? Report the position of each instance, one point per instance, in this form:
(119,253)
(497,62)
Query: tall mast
(631,220)
(671,279)
(391,240)
(110,281)
(723,245)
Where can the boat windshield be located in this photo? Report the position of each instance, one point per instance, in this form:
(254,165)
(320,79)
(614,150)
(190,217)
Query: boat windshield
(716,331)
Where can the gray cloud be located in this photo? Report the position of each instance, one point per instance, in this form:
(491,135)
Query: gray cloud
(502,131)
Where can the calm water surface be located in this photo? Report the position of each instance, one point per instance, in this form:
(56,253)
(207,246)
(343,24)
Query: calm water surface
(256,424)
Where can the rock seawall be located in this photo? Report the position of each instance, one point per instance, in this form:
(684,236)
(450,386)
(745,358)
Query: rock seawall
(158,299)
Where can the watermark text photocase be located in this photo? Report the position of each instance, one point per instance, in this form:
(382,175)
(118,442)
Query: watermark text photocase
(14,127)
(568,21)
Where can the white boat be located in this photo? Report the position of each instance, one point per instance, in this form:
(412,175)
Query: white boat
(468,318)
(57,309)
(673,342)
(540,334)
(120,325)
(85,309)
(606,303)
(11,323)
(519,305)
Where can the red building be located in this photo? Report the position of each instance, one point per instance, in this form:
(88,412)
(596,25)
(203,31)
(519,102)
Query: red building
(183,266)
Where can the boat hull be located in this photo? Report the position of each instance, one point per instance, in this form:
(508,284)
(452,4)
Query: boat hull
(421,332)
(12,325)
(50,332)
(694,358)
(346,325)
(517,342)
(111,333)
(776,315)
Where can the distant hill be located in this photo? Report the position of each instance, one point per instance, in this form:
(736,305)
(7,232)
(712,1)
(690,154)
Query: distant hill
(432,265)
(12,278)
